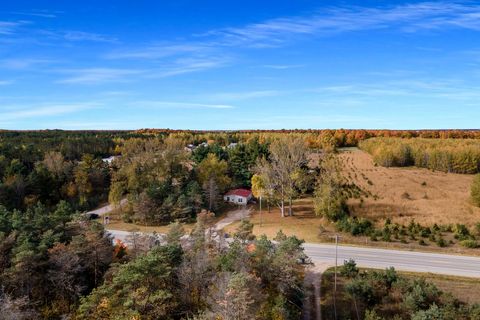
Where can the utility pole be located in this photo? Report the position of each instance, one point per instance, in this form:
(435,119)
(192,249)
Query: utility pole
(335,286)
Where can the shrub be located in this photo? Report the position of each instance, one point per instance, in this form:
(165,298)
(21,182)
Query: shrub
(386,235)
(362,290)
(355,226)
(434,312)
(425,232)
(461,232)
(420,295)
(472,244)
(349,269)
(475,192)
(441,242)
(372,315)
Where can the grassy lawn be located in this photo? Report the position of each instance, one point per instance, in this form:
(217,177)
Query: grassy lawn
(304,224)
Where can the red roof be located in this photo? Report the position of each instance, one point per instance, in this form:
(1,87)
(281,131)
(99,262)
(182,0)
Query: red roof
(239,192)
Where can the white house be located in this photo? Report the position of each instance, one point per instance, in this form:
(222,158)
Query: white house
(109,160)
(238,196)
(232,145)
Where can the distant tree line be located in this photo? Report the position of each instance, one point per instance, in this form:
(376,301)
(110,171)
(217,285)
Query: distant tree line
(447,155)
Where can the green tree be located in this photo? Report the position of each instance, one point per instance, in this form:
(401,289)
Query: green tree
(349,269)
(143,287)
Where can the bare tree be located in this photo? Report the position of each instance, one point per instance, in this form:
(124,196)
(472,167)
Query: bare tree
(16,309)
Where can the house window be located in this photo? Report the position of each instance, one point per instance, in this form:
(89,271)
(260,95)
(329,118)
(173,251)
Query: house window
(240,200)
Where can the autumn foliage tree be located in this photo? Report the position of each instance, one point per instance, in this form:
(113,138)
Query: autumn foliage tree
(212,174)
(281,172)
(447,155)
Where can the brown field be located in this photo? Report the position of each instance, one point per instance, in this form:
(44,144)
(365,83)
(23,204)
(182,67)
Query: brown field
(305,225)
(446,202)
(402,194)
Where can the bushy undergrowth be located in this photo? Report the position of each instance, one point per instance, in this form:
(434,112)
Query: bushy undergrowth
(394,232)
(447,155)
(386,294)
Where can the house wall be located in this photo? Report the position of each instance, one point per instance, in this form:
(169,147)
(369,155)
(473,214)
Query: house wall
(236,199)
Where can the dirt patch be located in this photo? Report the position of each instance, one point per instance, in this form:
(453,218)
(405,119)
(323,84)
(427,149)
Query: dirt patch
(233,216)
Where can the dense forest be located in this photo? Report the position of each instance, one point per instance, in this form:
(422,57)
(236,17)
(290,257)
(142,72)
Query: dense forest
(56,263)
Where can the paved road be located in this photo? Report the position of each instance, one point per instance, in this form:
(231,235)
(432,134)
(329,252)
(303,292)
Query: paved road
(402,260)
(324,254)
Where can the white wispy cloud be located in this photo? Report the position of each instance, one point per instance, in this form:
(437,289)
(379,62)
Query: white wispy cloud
(10,27)
(179,105)
(159,51)
(5,82)
(62,36)
(39,13)
(87,36)
(22,63)
(245,95)
(98,75)
(43,110)
(422,16)
(188,65)
(283,66)
(419,88)
(406,18)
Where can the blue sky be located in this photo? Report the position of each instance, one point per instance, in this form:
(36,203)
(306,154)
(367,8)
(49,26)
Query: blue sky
(267,64)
